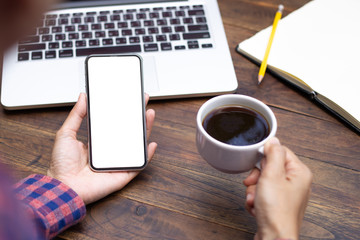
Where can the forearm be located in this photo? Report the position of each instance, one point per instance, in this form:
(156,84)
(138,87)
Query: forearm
(53,205)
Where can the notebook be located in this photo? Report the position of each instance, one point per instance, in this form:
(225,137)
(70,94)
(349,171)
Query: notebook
(316,48)
(182,43)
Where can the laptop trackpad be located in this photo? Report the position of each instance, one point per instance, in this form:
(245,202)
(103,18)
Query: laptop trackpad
(151,84)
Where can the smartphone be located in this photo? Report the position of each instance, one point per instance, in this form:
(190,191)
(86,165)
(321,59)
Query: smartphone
(116,112)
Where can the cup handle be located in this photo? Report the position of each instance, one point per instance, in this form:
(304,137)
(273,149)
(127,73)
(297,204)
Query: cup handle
(260,152)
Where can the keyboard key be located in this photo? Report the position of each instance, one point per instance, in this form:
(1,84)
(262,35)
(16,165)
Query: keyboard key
(201,20)
(154,15)
(128,16)
(131,10)
(73,36)
(94,42)
(36,55)
(122,24)
(153,30)
(198,6)
(50,22)
(30,39)
(170,8)
(63,21)
(89,19)
(51,16)
(23,56)
(102,18)
(113,33)
(91,13)
(198,35)
(166,30)
(141,16)
(59,37)
(161,38)
(44,30)
(184,7)
(134,39)
(31,47)
(148,23)
(174,21)
(86,35)
(107,41)
(108,50)
(144,9)
(207,45)
(66,53)
(104,12)
(80,43)
(188,20)
(180,13)
(148,39)
(76,20)
(140,31)
(120,40)
(46,38)
(197,12)
(126,32)
(135,24)
(180,47)
(174,37)
(179,29)
(117,11)
(202,27)
(115,17)
(167,14)
(50,54)
(161,22)
(158,8)
(83,27)
(96,26)
(54,45)
(193,44)
(79,14)
(100,34)
(56,29)
(152,47)
(64,15)
(70,28)
(166,46)
(67,44)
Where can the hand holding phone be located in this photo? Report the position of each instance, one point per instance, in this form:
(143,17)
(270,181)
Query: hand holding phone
(116,113)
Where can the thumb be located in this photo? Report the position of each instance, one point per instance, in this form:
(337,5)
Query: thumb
(275,157)
(77,114)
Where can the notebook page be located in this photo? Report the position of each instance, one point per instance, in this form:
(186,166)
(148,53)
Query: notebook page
(320,44)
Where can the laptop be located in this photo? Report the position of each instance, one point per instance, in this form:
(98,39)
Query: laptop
(182,44)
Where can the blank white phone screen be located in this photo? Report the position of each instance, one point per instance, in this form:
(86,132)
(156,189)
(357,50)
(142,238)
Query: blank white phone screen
(116,112)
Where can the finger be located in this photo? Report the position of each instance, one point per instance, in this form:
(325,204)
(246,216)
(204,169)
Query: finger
(150,118)
(77,114)
(275,157)
(146,98)
(151,150)
(252,178)
(250,195)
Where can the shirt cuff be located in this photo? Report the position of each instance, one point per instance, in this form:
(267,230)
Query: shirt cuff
(55,205)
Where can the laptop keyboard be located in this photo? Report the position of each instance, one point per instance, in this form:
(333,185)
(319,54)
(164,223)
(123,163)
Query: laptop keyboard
(79,34)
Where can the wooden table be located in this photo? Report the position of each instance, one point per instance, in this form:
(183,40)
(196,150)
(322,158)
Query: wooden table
(179,196)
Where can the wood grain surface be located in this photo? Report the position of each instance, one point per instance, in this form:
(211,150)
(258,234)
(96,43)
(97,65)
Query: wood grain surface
(179,196)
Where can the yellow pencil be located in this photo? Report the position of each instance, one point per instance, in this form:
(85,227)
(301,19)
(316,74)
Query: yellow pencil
(264,62)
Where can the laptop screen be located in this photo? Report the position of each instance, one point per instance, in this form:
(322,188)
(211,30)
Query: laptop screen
(92,3)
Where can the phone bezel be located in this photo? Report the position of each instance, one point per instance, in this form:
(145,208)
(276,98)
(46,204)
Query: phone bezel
(134,168)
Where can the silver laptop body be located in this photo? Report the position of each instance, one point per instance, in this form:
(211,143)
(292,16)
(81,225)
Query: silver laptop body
(182,43)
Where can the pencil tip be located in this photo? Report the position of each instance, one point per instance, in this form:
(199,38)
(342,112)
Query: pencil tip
(260,78)
(281,8)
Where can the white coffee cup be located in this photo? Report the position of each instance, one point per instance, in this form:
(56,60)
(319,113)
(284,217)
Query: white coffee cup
(225,157)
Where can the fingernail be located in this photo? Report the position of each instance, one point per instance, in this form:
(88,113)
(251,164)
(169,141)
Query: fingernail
(249,197)
(274,141)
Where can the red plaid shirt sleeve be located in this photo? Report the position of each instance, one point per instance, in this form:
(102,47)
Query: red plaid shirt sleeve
(51,204)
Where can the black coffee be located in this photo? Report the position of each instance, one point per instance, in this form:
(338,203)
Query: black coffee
(236,125)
